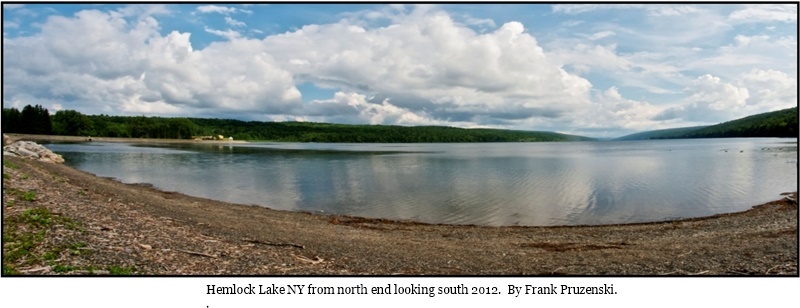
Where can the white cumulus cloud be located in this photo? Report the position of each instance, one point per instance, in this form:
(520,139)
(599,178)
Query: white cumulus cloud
(754,13)
(612,113)
(228,34)
(431,65)
(216,9)
(769,89)
(710,100)
(651,9)
(234,22)
(601,35)
(126,67)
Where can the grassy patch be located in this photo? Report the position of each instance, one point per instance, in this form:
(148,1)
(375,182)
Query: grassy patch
(9,164)
(38,216)
(19,246)
(75,249)
(121,270)
(71,224)
(51,256)
(24,235)
(29,196)
(58,268)
(42,217)
(8,270)
(6,176)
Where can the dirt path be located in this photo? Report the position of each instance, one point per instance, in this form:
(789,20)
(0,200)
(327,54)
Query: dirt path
(101,226)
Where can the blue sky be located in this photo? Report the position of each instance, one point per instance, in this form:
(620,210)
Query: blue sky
(598,70)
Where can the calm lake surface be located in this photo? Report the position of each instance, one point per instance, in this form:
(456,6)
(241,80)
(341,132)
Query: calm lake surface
(497,184)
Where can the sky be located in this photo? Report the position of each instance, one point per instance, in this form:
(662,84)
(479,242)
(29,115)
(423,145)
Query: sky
(597,70)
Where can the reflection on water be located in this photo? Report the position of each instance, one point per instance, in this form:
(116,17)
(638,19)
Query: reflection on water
(486,184)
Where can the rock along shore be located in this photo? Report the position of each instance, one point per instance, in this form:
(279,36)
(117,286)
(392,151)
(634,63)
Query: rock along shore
(30,150)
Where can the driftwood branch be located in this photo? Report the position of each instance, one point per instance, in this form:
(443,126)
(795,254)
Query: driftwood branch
(196,253)
(315,261)
(680,272)
(769,271)
(273,244)
(34,270)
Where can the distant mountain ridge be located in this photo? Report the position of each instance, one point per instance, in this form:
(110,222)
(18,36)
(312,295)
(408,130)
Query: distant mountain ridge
(781,123)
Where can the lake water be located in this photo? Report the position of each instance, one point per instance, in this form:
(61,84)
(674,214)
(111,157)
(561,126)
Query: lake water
(497,184)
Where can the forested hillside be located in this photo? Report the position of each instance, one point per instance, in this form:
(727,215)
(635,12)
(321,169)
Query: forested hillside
(659,134)
(73,123)
(781,123)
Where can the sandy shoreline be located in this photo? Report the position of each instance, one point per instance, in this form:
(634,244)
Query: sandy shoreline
(101,226)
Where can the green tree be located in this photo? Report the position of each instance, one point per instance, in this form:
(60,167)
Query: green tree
(11,120)
(181,128)
(35,120)
(138,127)
(72,123)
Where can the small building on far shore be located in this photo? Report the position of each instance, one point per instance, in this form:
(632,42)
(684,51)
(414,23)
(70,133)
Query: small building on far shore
(203,137)
(217,137)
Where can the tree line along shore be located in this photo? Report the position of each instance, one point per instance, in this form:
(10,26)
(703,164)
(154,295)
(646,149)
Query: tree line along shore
(37,120)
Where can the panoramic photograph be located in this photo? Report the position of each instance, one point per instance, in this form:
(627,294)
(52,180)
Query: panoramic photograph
(546,140)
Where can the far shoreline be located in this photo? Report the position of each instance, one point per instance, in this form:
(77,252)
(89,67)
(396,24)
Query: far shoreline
(57,138)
